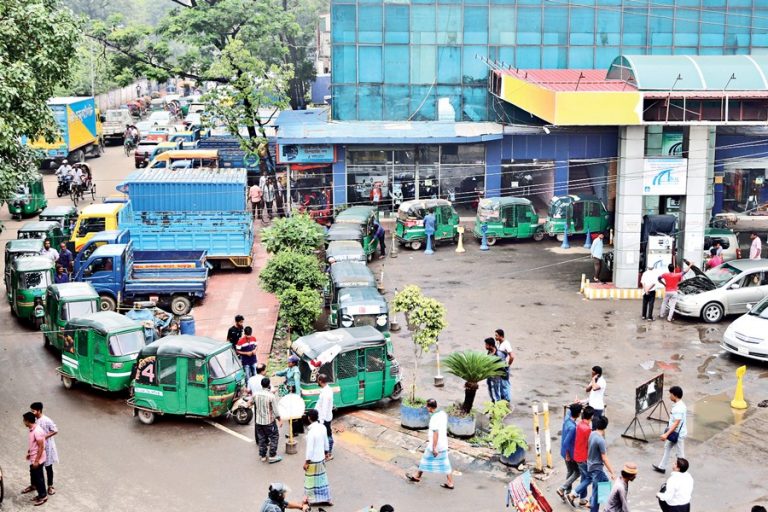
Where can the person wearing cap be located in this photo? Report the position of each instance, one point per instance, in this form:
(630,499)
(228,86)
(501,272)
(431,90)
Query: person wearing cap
(293,384)
(675,495)
(617,499)
(276,501)
(649,281)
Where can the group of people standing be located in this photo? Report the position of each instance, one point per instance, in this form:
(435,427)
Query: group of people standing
(41,453)
(63,259)
(499,388)
(267,195)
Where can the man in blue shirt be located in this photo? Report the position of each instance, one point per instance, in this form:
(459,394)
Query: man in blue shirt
(597,255)
(380,235)
(566,450)
(429,228)
(65,257)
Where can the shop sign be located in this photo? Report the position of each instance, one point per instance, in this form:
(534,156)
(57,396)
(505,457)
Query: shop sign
(664,176)
(306,154)
(672,144)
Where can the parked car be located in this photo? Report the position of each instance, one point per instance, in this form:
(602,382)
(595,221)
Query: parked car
(161,118)
(143,152)
(747,336)
(723,290)
(729,241)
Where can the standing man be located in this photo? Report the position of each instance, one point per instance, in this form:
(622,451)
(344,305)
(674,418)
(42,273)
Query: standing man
(649,281)
(66,258)
(324,408)
(267,420)
(293,383)
(268,194)
(596,389)
(597,460)
(718,246)
(236,331)
(435,458)
(597,255)
(50,430)
(36,458)
(756,249)
(617,499)
(671,281)
(61,276)
(429,227)
(493,382)
(49,252)
(505,352)
(255,195)
(246,349)
(675,495)
(567,444)
(580,454)
(380,235)
(316,488)
(674,436)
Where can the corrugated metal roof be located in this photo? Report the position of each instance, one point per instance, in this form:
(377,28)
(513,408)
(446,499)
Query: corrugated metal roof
(583,80)
(223,175)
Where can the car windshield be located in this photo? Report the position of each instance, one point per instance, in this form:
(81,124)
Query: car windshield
(558,208)
(223,364)
(126,343)
(722,274)
(35,280)
(78,309)
(760,309)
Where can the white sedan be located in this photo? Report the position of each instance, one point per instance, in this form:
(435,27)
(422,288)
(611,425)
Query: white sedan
(747,336)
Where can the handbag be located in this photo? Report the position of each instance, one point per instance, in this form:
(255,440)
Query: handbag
(674,436)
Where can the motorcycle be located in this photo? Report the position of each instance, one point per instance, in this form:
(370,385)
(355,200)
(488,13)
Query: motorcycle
(65,183)
(242,409)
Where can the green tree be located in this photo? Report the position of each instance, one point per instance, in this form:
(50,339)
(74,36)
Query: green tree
(299,309)
(38,44)
(289,269)
(473,367)
(298,233)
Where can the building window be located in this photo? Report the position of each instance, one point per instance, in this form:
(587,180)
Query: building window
(369,64)
(343,23)
(396,26)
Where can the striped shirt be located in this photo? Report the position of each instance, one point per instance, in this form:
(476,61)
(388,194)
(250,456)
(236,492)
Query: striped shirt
(265,407)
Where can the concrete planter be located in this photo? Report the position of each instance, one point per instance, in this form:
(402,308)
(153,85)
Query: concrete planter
(414,418)
(515,459)
(461,426)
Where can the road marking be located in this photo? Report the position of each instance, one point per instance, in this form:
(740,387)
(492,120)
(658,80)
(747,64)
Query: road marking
(229,431)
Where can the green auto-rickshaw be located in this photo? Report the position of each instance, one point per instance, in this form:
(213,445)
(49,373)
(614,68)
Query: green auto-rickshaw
(366,217)
(64,215)
(356,307)
(30,276)
(582,213)
(344,250)
(185,375)
(18,249)
(359,362)
(64,302)
(354,233)
(48,230)
(507,217)
(348,274)
(28,199)
(410,222)
(100,349)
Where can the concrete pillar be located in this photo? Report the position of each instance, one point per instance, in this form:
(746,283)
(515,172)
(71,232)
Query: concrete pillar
(629,207)
(493,168)
(340,177)
(696,206)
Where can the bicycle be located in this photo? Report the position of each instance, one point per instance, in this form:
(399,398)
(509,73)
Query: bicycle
(129,145)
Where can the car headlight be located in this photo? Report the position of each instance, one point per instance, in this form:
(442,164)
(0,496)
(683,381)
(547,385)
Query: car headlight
(347,321)
(381,320)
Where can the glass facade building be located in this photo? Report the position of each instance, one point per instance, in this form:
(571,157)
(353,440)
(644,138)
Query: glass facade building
(393,59)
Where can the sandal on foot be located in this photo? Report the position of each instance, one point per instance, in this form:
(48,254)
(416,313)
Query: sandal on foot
(446,486)
(51,490)
(412,478)
(561,494)
(571,499)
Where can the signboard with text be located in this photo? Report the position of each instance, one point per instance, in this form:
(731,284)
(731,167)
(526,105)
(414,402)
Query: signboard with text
(306,154)
(664,176)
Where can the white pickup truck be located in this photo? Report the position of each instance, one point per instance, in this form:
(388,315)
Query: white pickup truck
(755,220)
(115,123)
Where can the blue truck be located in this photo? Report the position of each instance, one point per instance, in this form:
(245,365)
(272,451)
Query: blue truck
(111,270)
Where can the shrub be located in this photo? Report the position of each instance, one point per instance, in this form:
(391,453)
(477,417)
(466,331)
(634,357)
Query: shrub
(298,233)
(300,309)
(473,367)
(290,269)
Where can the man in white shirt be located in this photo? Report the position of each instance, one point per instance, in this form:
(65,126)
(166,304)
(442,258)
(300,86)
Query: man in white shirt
(676,494)
(756,249)
(64,169)
(505,349)
(316,487)
(49,252)
(649,281)
(596,389)
(324,408)
(435,458)
(677,424)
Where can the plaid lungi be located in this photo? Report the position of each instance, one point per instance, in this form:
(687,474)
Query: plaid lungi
(316,483)
(432,464)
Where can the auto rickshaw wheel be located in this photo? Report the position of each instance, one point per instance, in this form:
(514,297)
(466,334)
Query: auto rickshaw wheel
(68,382)
(146,417)
(560,237)
(181,305)
(397,392)
(107,303)
(415,245)
(491,240)
(538,235)
(243,415)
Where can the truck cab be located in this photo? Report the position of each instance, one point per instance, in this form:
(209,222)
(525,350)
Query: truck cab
(93,219)
(115,122)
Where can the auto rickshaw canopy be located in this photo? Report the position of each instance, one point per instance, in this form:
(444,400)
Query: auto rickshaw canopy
(184,345)
(59,211)
(40,226)
(73,291)
(345,250)
(27,245)
(32,264)
(418,208)
(345,232)
(558,204)
(356,214)
(490,208)
(104,322)
(363,297)
(349,274)
(352,338)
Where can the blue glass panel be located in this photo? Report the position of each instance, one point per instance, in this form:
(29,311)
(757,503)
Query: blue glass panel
(449,27)
(502,29)
(396,102)
(475,104)
(423,24)
(661,39)
(344,102)
(396,66)
(605,56)
(370,24)
(634,25)
(504,1)
(609,2)
(759,40)
(396,23)
(343,23)
(686,38)
(369,64)
(555,57)
(661,26)
(529,25)
(423,106)
(475,25)
(344,64)
(507,56)
(742,51)
(454,95)
(681,50)
(555,25)
(581,57)
(582,25)
(449,1)
(609,28)
(712,40)
(711,51)
(528,57)
(661,50)
(449,65)
(474,70)
(739,3)
(369,103)
(423,64)
(760,20)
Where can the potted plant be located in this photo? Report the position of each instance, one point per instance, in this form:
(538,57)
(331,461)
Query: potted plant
(425,318)
(472,367)
(509,440)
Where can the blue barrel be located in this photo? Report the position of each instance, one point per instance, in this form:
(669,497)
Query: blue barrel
(187,324)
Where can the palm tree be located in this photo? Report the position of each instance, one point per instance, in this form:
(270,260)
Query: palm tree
(473,367)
